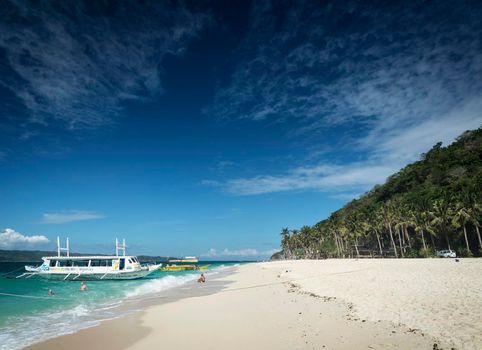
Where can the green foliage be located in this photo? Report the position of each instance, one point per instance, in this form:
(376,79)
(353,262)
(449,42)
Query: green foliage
(426,253)
(464,253)
(277,256)
(422,208)
(412,253)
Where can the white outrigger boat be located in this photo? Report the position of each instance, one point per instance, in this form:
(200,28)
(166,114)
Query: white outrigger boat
(96,267)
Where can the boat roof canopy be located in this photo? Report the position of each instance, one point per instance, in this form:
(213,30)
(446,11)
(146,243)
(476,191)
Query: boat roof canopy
(88,257)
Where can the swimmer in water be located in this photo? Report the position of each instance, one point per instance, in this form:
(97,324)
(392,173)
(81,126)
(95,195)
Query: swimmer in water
(83,287)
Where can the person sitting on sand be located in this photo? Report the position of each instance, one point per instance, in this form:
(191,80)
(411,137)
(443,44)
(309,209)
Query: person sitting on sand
(201,279)
(83,287)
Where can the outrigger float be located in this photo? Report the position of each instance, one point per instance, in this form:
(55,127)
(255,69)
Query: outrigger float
(78,268)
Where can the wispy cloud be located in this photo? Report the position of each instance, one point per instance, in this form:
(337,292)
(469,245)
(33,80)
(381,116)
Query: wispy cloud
(310,65)
(245,252)
(347,66)
(69,216)
(330,178)
(75,62)
(10,238)
(384,156)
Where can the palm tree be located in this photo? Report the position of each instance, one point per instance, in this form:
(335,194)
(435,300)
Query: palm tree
(344,234)
(421,224)
(441,213)
(386,213)
(398,221)
(354,229)
(460,218)
(295,243)
(377,227)
(406,222)
(332,229)
(285,242)
(398,228)
(475,211)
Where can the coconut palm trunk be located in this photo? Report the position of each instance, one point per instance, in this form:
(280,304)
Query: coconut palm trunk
(393,241)
(433,243)
(356,248)
(400,242)
(405,229)
(339,245)
(478,236)
(447,240)
(423,241)
(466,239)
(379,243)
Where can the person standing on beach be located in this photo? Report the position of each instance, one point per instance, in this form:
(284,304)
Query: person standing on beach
(83,287)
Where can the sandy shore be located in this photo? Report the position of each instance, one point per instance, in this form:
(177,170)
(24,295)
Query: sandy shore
(331,304)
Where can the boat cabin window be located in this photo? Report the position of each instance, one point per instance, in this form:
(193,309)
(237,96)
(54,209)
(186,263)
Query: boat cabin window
(101,262)
(53,263)
(97,263)
(64,263)
(122,264)
(130,261)
(81,263)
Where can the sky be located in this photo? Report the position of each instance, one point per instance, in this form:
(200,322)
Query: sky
(205,127)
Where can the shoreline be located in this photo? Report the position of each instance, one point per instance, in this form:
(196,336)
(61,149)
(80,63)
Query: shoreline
(132,319)
(133,304)
(332,304)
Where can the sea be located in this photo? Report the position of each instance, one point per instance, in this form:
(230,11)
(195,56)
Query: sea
(28,314)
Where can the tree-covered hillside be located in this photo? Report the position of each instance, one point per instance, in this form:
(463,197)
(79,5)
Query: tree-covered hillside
(432,204)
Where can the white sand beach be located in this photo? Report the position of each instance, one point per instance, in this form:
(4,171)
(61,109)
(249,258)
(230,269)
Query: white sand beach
(324,304)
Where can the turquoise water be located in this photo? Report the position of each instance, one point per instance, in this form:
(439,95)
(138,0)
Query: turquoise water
(33,315)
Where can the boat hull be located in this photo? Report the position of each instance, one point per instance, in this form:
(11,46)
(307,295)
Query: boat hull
(95,276)
(183,268)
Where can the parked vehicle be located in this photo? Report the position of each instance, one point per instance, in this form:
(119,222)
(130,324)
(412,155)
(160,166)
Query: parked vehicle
(446,254)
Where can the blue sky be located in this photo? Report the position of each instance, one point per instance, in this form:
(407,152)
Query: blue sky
(205,127)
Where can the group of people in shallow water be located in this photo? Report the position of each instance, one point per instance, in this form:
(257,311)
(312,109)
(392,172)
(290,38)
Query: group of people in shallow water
(83,285)
(83,288)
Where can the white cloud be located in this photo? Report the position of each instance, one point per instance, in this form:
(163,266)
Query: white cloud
(77,69)
(400,65)
(246,252)
(394,92)
(403,145)
(69,216)
(320,178)
(10,238)
(386,154)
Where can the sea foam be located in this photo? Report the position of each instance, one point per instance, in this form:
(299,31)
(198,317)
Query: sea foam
(22,331)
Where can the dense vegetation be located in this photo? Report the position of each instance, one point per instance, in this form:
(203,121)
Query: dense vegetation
(432,204)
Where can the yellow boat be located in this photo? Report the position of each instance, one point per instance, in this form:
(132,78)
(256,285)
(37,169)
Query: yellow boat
(182,267)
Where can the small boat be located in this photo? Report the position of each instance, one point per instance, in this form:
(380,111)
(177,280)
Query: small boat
(101,267)
(183,267)
(187,259)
